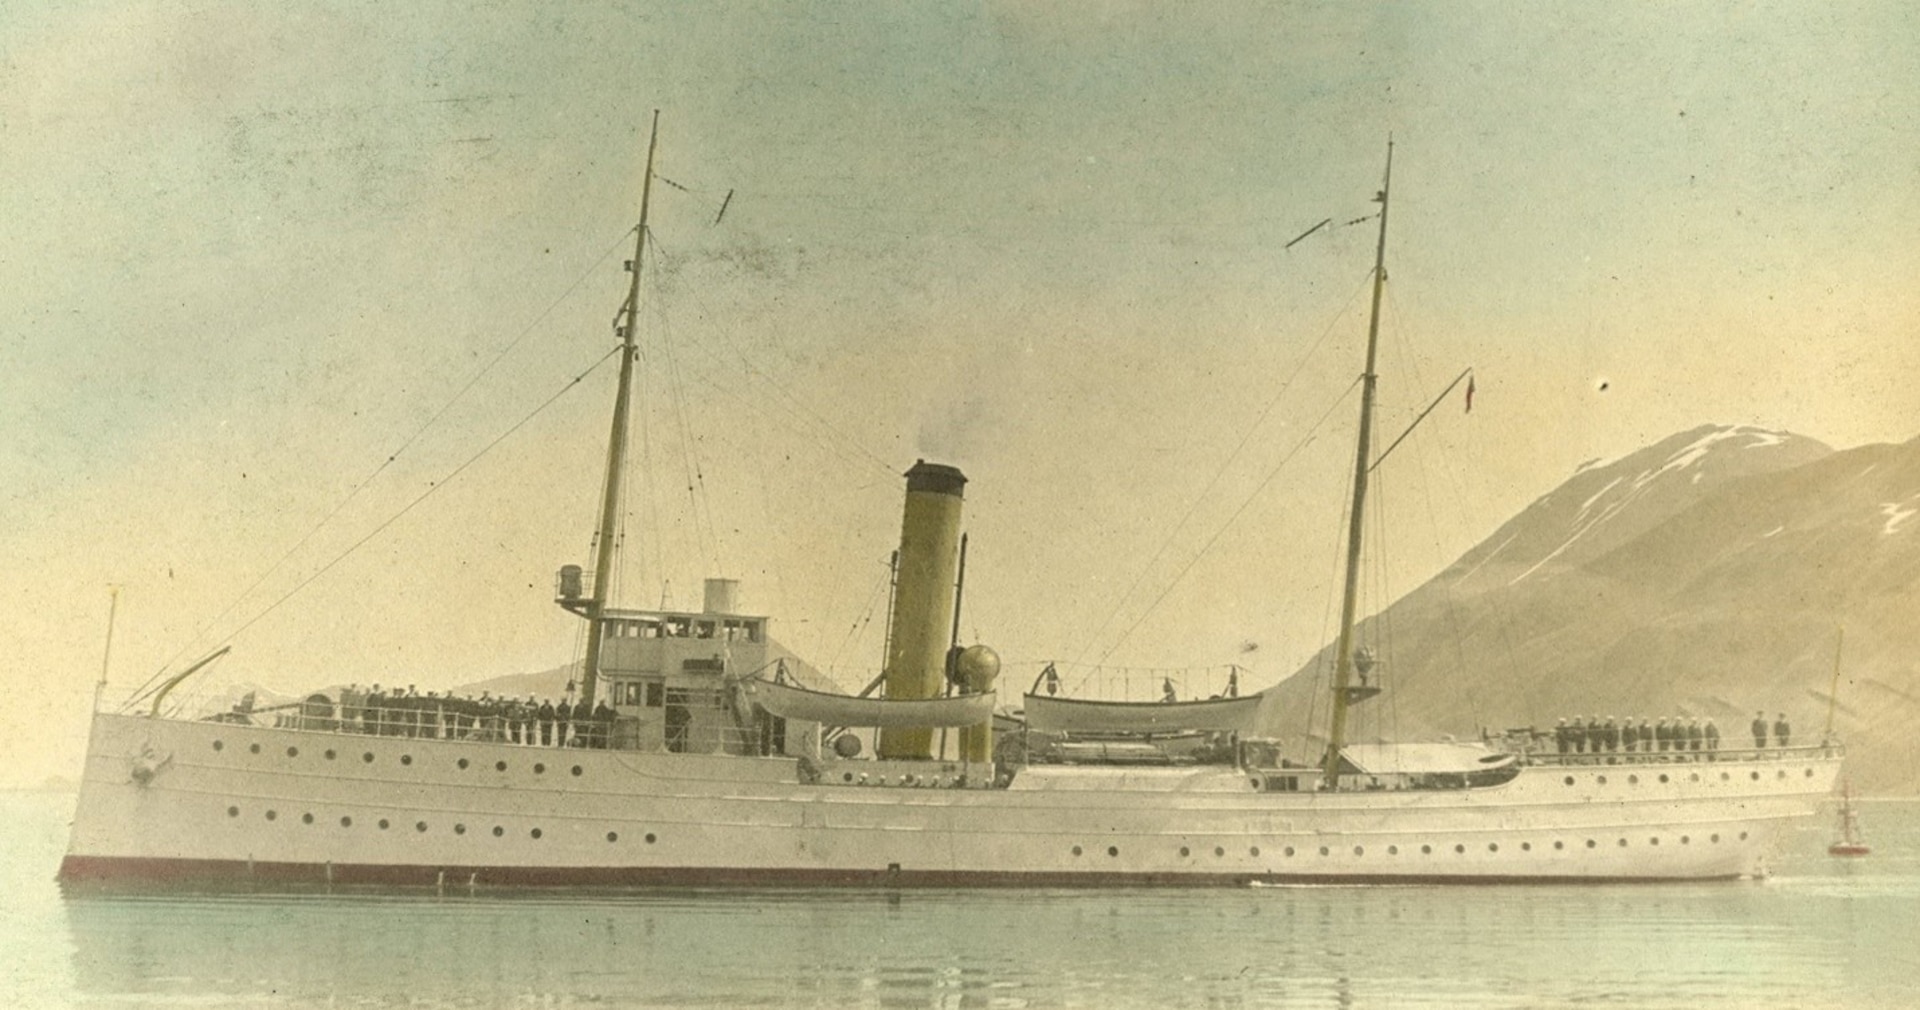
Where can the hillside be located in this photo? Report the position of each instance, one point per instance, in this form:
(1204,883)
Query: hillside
(1707,575)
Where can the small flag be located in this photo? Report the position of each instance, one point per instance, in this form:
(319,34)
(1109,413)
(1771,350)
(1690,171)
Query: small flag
(1469,394)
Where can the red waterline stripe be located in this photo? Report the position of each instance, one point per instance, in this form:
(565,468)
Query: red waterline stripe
(109,870)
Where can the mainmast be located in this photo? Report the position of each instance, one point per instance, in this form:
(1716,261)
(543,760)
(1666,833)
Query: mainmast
(617,442)
(1344,693)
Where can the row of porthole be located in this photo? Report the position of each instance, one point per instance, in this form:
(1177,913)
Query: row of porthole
(1634,780)
(1425,850)
(539,767)
(421,826)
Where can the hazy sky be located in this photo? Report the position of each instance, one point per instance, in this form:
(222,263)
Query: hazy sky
(252,249)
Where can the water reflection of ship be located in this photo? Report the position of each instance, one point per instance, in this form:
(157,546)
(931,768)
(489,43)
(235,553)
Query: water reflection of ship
(727,765)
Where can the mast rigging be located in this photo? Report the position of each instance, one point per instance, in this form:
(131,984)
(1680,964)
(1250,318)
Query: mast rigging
(617,441)
(1344,694)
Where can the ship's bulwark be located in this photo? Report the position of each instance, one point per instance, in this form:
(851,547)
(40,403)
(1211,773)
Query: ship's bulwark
(226,804)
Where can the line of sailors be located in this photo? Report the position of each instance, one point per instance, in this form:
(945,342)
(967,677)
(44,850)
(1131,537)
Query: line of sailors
(1596,736)
(533,723)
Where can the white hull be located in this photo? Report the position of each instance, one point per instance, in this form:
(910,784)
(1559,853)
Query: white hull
(301,806)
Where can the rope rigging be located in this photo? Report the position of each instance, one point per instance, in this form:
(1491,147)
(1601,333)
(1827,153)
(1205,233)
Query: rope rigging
(1199,499)
(199,635)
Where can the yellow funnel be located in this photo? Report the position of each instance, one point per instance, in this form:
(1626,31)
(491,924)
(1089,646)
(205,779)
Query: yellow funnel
(923,599)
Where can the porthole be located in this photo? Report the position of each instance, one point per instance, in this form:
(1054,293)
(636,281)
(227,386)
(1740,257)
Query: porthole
(1288,852)
(459,829)
(406,759)
(501,766)
(576,771)
(1663,777)
(1591,843)
(1809,773)
(1655,840)
(217,745)
(1686,840)
(273,815)
(346,822)
(293,752)
(1557,846)
(233,811)
(1633,780)
(613,836)
(650,839)
(1324,851)
(1459,850)
(1183,852)
(1113,850)
(385,824)
(1695,777)
(1254,851)
(1526,846)
(1725,777)
(254,748)
(1743,836)
(1756,776)
(1602,779)
(535,833)
(1568,780)
(1076,850)
(461,764)
(1359,850)
(1393,850)
(1781,774)
(331,753)
(1623,843)
(367,757)
(1713,838)
(539,769)
(1493,846)
(306,818)
(1426,850)
(498,831)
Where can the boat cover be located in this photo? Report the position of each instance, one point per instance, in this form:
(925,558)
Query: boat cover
(1049,714)
(790,702)
(1422,758)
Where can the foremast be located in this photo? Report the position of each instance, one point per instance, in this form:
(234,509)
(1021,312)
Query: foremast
(596,604)
(1343,690)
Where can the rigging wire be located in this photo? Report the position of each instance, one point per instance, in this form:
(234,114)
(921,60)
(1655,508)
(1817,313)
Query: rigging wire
(424,495)
(1194,506)
(1456,637)
(865,618)
(840,444)
(1312,433)
(273,569)
(691,464)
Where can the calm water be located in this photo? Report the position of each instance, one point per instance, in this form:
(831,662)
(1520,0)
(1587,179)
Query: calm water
(1823,932)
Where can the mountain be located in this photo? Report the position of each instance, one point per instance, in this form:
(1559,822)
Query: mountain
(1711,574)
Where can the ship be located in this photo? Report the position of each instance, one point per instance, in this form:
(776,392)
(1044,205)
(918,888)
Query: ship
(705,754)
(1851,842)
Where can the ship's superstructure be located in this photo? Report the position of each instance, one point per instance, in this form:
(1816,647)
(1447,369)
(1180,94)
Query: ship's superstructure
(702,752)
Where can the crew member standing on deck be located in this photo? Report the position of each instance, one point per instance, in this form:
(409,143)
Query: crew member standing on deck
(545,714)
(1759,729)
(1781,731)
(582,723)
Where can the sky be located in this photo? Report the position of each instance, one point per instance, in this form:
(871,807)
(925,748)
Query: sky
(282,280)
